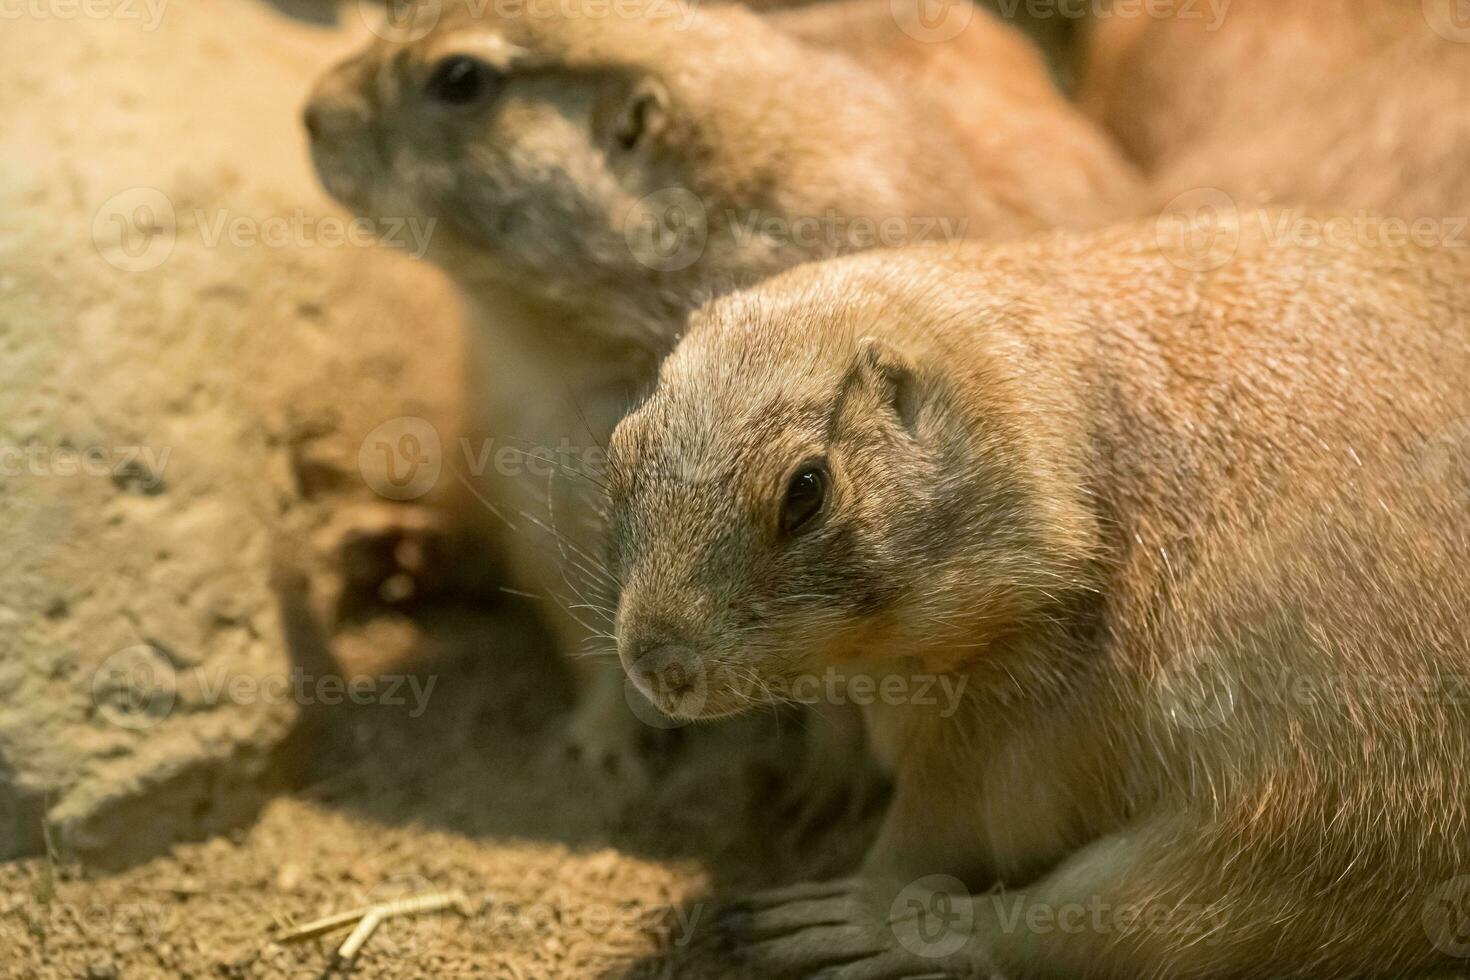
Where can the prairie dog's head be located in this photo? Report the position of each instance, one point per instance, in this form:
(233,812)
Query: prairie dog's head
(822,480)
(624,160)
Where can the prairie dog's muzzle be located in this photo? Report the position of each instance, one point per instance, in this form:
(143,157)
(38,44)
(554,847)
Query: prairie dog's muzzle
(339,119)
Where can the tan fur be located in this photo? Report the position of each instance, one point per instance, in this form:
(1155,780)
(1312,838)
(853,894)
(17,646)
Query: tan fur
(1165,85)
(1391,136)
(542,214)
(1321,103)
(1125,483)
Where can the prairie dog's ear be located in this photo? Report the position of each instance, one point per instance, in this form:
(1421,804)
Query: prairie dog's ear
(890,374)
(636,112)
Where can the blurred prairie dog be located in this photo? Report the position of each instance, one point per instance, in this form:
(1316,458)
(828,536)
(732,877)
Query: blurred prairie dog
(1132,511)
(595,177)
(1163,84)
(1392,138)
(1319,103)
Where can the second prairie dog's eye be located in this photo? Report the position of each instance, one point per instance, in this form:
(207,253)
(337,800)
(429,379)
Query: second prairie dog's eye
(460,79)
(806,497)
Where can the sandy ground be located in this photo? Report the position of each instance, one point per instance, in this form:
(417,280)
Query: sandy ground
(563,876)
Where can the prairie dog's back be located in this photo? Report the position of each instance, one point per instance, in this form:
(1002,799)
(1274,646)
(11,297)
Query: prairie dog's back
(1392,136)
(1209,384)
(1162,85)
(991,87)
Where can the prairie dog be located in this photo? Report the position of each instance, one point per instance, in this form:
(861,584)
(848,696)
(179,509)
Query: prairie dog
(1391,136)
(1175,535)
(595,177)
(1320,103)
(1164,84)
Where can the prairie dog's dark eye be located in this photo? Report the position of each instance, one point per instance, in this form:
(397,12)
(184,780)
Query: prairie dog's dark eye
(806,497)
(460,79)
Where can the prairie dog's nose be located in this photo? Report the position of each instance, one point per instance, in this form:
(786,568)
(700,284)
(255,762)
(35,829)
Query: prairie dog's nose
(336,105)
(329,116)
(311,118)
(665,670)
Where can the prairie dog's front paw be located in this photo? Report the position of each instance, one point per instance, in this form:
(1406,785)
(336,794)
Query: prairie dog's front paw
(855,929)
